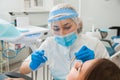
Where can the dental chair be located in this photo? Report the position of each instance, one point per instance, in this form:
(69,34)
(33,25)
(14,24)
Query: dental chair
(101,34)
(14,75)
(116,38)
(117,28)
(113,46)
(113,49)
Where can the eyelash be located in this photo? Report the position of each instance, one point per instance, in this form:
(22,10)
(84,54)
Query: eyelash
(56,29)
(68,27)
(65,28)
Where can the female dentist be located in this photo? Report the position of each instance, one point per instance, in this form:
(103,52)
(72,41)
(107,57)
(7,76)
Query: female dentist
(66,44)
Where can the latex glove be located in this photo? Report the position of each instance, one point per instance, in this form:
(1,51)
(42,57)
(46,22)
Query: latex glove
(84,54)
(37,58)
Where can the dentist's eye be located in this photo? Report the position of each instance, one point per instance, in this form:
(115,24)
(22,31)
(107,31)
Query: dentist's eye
(68,27)
(56,29)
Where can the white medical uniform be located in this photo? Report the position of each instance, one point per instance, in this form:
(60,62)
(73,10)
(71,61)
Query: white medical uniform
(59,57)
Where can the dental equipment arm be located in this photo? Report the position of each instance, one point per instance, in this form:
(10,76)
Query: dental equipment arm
(30,36)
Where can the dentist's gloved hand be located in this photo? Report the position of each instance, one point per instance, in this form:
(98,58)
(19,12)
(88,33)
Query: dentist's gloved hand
(84,54)
(37,58)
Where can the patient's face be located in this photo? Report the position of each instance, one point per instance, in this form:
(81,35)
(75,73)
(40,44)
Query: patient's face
(80,75)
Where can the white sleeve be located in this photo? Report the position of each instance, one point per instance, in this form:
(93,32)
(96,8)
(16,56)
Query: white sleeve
(28,58)
(100,51)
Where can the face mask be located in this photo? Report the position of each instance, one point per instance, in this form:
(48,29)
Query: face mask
(66,40)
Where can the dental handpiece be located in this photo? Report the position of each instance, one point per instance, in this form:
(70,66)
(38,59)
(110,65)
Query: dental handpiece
(73,59)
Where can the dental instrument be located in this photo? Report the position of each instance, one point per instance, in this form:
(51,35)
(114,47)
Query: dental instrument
(71,62)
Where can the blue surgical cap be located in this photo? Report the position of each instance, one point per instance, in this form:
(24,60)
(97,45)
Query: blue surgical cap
(61,14)
(7,30)
(104,29)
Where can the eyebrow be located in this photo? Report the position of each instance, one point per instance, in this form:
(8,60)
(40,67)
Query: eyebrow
(66,24)
(56,26)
